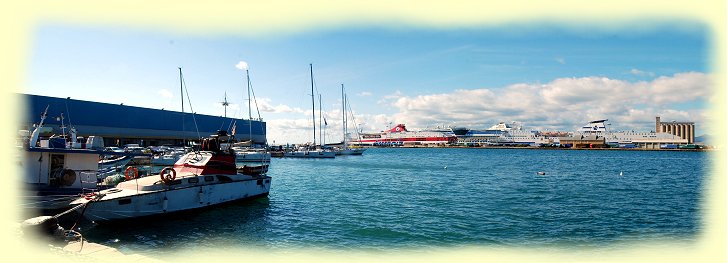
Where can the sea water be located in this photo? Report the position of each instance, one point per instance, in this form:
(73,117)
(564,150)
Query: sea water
(396,199)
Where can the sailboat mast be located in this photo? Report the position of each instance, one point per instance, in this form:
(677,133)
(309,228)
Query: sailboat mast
(249,106)
(181,95)
(313,102)
(320,120)
(343,113)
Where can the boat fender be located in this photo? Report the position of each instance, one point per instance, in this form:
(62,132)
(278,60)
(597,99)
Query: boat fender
(168,174)
(199,195)
(165,204)
(134,173)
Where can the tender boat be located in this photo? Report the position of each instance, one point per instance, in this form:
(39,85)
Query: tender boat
(199,179)
(246,154)
(169,157)
(112,161)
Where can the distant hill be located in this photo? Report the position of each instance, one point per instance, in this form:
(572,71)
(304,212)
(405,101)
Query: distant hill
(703,139)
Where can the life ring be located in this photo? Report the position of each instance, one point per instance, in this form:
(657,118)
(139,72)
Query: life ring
(134,171)
(167,178)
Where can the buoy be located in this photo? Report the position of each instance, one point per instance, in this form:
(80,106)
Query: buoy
(621,173)
(541,173)
(445,167)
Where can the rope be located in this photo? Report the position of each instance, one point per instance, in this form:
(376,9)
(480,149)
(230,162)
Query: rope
(85,205)
(191,109)
(69,114)
(254,99)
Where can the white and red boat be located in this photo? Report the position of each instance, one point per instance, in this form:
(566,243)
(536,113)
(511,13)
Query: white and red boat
(199,179)
(399,136)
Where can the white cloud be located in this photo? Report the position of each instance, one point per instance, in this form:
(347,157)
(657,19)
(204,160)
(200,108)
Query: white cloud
(561,104)
(242,65)
(165,93)
(640,73)
(560,60)
(265,105)
(364,94)
(390,97)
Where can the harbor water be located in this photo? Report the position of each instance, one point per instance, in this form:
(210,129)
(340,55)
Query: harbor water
(397,199)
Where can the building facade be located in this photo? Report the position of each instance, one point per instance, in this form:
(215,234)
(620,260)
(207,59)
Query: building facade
(121,124)
(684,130)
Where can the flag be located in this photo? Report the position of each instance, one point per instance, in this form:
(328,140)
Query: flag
(324,121)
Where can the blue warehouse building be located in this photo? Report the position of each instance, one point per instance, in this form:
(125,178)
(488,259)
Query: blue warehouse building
(121,124)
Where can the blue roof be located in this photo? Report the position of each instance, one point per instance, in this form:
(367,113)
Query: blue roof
(96,117)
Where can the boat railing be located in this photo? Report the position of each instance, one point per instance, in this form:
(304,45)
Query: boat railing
(88,178)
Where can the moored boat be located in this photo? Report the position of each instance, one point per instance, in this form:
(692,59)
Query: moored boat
(199,179)
(345,149)
(305,152)
(56,172)
(311,150)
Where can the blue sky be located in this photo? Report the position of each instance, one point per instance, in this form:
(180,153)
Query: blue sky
(547,76)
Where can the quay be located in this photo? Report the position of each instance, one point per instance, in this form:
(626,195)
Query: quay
(45,238)
(94,252)
(543,148)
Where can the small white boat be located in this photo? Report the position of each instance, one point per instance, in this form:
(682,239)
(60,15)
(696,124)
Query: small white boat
(311,150)
(113,161)
(345,149)
(350,151)
(168,158)
(243,155)
(303,152)
(199,179)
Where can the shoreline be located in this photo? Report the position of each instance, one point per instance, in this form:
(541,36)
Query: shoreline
(544,148)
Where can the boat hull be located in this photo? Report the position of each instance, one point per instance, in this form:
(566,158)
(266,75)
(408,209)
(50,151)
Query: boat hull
(353,151)
(252,157)
(310,154)
(176,199)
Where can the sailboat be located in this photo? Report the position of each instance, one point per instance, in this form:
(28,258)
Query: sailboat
(345,149)
(244,151)
(311,151)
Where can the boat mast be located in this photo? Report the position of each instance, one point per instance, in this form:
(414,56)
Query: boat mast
(313,102)
(249,107)
(320,120)
(181,94)
(36,132)
(343,113)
